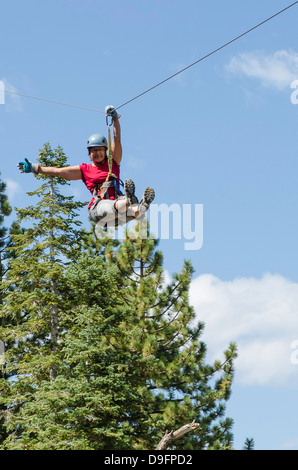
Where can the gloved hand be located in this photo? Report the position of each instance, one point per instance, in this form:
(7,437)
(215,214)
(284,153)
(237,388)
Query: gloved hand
(111,111)
(28,167)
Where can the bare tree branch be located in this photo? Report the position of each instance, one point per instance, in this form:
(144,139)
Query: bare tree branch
(172,436)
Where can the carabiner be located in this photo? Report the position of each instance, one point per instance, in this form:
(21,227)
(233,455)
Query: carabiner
(107,120)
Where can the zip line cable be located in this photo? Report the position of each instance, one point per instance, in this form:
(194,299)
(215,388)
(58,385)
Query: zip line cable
(51,101)
(166,79)
(208,55)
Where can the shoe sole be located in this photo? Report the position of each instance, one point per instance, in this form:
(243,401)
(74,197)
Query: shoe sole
(129,188)
(148,197)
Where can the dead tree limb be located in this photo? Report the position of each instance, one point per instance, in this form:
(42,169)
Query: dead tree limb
(172,436)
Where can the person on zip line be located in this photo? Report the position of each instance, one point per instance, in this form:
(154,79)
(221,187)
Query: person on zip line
(108,206)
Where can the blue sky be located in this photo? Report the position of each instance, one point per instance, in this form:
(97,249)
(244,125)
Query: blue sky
(222,136)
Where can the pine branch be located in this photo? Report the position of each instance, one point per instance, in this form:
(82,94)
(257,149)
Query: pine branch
(172,436)
(173,339)
(125,299)
(169,294)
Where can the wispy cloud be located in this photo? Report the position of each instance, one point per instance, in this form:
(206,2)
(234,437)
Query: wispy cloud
(275,70)
(12,188)
(13,102)
(260,315)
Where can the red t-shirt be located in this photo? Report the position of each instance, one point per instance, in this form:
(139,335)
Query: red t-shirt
(94,175)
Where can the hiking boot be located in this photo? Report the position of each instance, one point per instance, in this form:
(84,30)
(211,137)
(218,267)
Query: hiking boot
(146,200)
(129,188)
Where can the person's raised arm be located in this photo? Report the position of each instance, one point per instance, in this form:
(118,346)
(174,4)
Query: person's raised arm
(68,172)
(116,144)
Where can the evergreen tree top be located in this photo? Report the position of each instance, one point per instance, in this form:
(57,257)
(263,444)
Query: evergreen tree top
(104,354)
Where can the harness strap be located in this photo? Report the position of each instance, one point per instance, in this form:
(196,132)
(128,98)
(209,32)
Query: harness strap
(110,154)
(101,190)
(111,179)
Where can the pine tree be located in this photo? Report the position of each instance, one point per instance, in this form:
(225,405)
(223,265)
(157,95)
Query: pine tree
(34,288)
(149,346)
(169,372)
(73,410)
(249,444)
(5,210)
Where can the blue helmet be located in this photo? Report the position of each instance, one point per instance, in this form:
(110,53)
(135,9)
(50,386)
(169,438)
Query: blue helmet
(97,140)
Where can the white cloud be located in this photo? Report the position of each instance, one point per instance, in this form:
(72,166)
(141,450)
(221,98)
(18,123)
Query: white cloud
(260,315)
(12,188)
(276,70)
(12,101)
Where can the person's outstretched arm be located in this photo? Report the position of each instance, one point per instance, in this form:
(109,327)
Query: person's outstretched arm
(68,172)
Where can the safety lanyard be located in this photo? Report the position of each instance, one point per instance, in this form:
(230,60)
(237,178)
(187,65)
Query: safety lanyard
(110,154)
(107,184)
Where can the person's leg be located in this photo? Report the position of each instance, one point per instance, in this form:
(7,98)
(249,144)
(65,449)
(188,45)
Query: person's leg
(124,206)
(126,212)
(129,203)
(111,213)
(104,213)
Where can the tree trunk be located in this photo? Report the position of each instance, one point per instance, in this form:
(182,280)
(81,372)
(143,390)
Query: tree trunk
(54,309)
(54,333)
